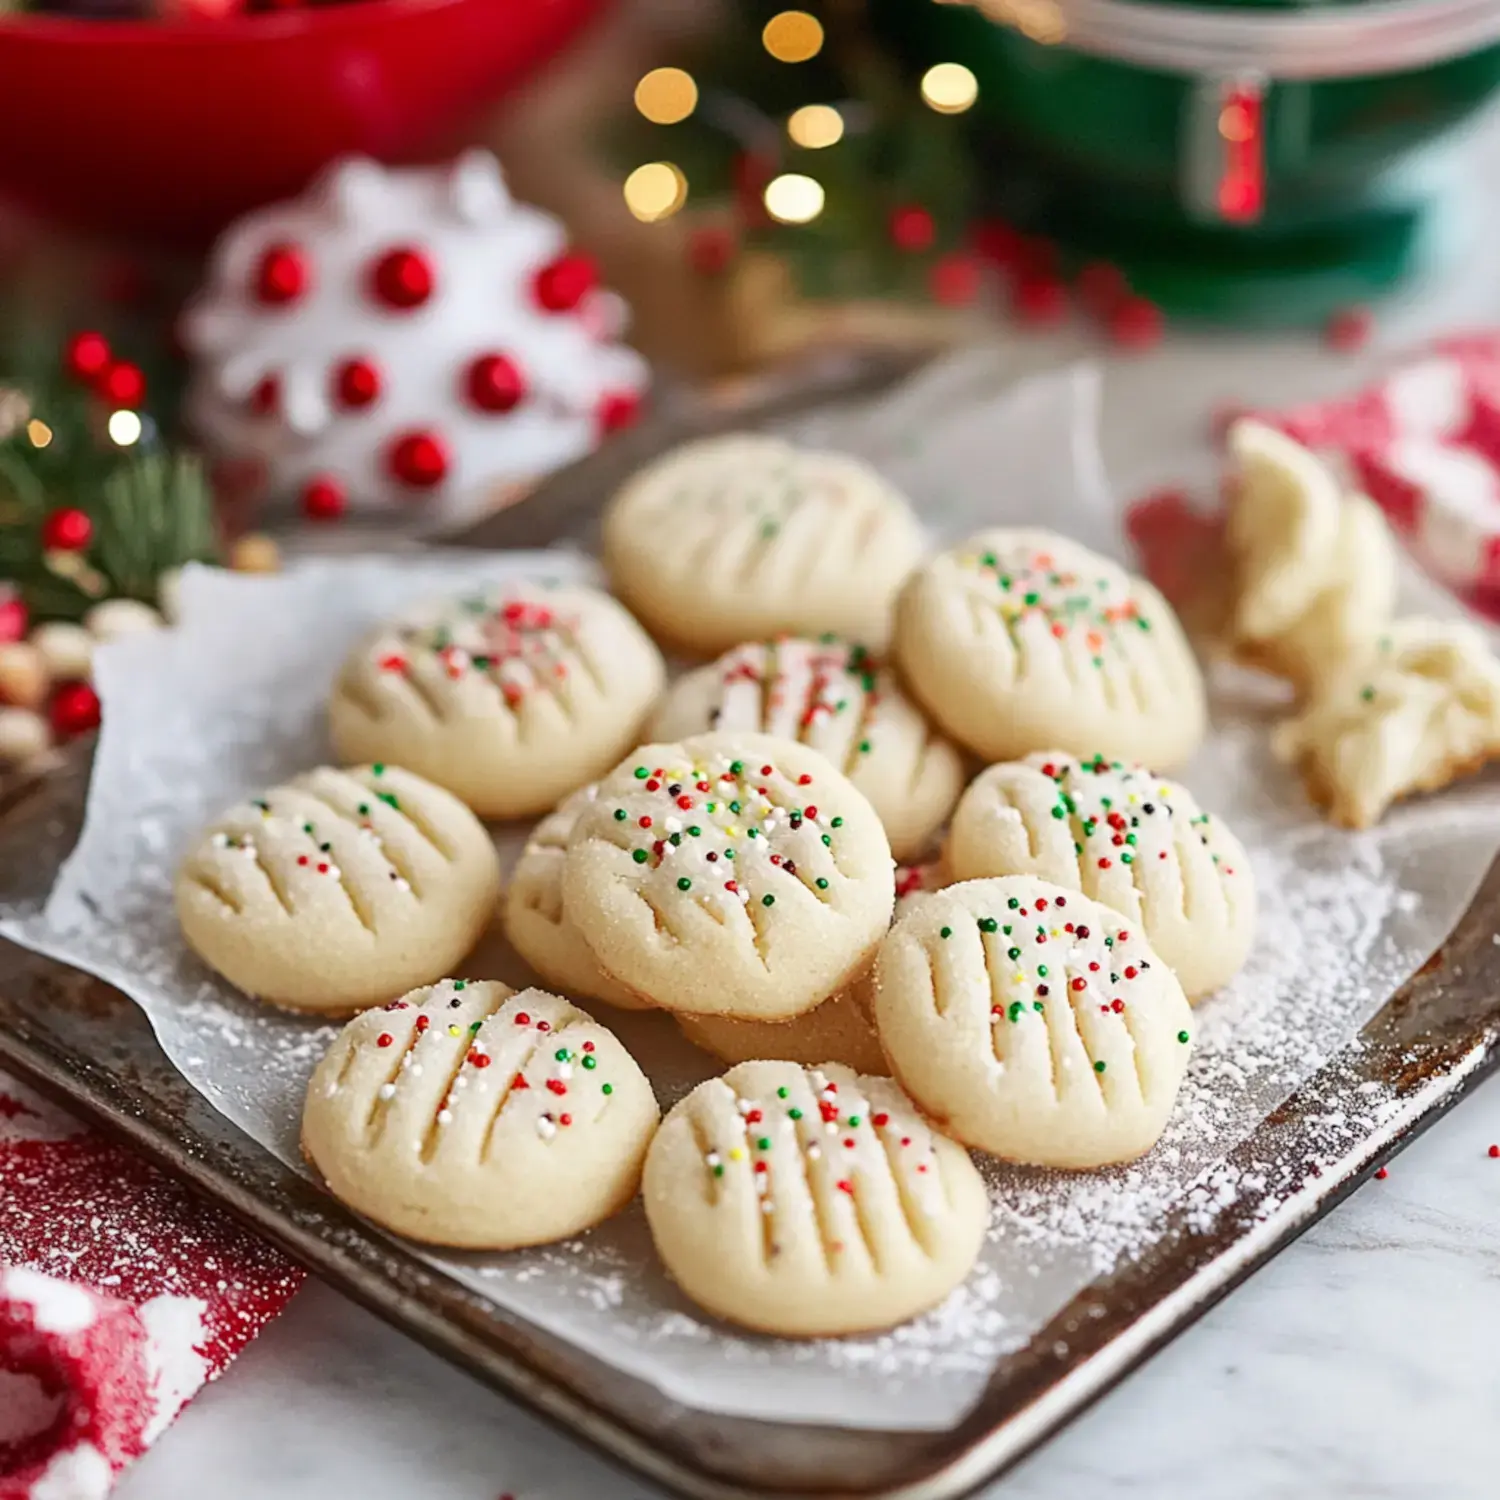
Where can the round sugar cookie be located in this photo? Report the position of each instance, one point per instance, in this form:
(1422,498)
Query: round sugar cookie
(742,537)
(338,890)
(1121,835)
(1022,640)
(510,697)
(1032,1022)
(537,925)
(731,875)
(843,702)
(810,1202)
(469,1116)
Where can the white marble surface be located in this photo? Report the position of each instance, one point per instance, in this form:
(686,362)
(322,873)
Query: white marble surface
(1358,1365)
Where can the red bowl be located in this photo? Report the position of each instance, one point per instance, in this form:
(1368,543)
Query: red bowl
(166,130)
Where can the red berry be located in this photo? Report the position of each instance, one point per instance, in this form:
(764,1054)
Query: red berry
(954,280)
(1039,301)
(402,279)
(324,499)
(266,396)
(282,274)
(419,459)
(123,384)
(1349,329)
(998,242)
(710,249)
(618,409)
(1494,1153)
(356,383)
(87,357)
(1135,324)
(1101,287)
(14,620)
(74,709)
(67,530)
(912,228)
(563,283)
(494,383)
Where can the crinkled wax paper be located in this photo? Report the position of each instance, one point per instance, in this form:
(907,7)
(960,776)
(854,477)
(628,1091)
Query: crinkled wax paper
(233,700)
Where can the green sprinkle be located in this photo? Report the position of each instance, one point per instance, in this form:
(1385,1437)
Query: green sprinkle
(1012,954)
(474,1028)
(389,798)
(1036,1005)
(1030,598)
(755,833)
(561,1055)
(1367,693)
(639,856)
(827,842)
(641,773)
(1127,859)
(459,984)
(794,1114)
(854,1122)
(763,1143)
(364,809)
(1182,1037)
(263,806)
(590,1061)
(947,932)
(719,1170)
(1099,1066)
(307,828)
(378,768)
(864,747)
(675,840)
(768,901)
(1015,1010)
(620,815)
(684,884)
(694,831)
(609,1088)
(782,1093)
(1006,929)
(735,767)
(734,807)
(837,823)
(1059,812)
(1041,970)
(821,883)
(988,924)
(1013,903)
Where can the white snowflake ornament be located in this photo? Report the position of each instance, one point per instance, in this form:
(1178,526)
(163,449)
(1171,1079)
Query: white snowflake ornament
(405,336)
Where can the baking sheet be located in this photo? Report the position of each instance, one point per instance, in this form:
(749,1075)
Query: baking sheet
(233,701)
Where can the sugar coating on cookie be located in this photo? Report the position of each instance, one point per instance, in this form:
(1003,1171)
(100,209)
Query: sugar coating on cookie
(339,889)
(730,874)
(1023,640)
(846,704)
(1033,1023)
(810,1201)
(1414,710)
(510,697)
(537,925)
(1122,835)
(745,536)
(1315,569)
(469,1116)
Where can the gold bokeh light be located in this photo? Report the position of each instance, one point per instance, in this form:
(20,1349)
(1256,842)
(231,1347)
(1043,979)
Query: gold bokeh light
(793,198)
(815,126)
(666,95)
(793,36)
(950,88)
(655,191)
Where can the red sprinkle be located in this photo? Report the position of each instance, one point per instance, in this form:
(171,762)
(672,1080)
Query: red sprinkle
(1382,1174)
(384,1039)
(1080,983)
(804,779)
(565,1119)
(480,1059)
(1117,1006)
(1104,864)
(522,1019)
(518,1082)
(765,770)
(556,1086)
(754,1117)
(301,859)
(884,1119)
(1130,971)
(423,1022)
(809,811)
(544,1025)
(588,1046)
(1494,1152)
(653,785)
(845,1186)
(684,801)
(644,822)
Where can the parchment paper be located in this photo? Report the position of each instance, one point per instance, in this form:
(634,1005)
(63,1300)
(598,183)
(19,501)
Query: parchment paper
(233,700)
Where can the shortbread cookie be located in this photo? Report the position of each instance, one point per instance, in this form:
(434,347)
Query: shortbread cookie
(1124,836)
(1022,640)
(339,889)
(1315,569)
(742,537)
(1414,710)
(840,1030)
(1033,1022)
(730,874)
(843,702)
(469,1116)
(510,697)
(810,1202)
(535,922)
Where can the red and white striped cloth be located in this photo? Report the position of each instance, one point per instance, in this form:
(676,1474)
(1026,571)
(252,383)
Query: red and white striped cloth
(1423,441)
(120,1296)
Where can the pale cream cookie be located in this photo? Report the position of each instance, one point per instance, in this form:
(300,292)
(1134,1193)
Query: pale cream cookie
(339,889)
(1315,569)
(1412,711)
(509,697)
(1122,835)
(1033,1023)
(537,925)
(810,1202)
(843,702)
(730,874)
(469,1116)
(745,536)
(1020,640)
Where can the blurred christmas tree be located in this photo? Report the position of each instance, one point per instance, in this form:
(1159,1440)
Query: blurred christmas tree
(796,132)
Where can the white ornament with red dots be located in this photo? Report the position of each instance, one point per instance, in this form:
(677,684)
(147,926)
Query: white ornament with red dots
(401,337)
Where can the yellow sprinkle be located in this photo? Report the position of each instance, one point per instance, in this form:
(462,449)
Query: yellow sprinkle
(737,1154)
(1055,932)
(733,833)
(453,1031)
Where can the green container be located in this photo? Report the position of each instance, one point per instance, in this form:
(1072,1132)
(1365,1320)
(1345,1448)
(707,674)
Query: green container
(1111,139)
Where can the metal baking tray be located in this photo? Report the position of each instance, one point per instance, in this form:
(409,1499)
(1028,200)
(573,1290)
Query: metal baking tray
(87,1045)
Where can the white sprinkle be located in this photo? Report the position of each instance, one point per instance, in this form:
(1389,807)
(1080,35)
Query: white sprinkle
(673,825)
(387,1090)
(545,1128)
(399,883)
(445,1116)
(220,840)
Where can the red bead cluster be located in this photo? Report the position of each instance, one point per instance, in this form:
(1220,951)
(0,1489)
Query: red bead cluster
(89,361)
